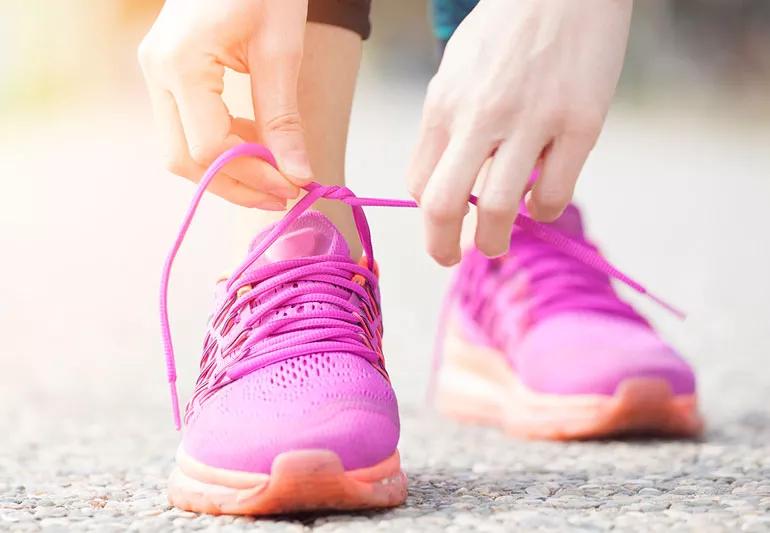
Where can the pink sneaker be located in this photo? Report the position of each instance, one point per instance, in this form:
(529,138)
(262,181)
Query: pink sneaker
(537,342)
(293,409)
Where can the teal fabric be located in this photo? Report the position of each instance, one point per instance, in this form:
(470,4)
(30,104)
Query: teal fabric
(448,14)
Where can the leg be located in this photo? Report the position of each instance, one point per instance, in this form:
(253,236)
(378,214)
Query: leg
(327,81)
(326,86)
(296,433)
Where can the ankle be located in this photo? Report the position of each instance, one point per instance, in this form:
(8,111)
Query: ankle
(342,217)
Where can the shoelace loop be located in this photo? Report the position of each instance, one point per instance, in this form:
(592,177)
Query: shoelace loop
(315,191)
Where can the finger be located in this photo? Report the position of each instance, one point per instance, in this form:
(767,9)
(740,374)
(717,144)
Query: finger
(445,197)
(275,56)
(205,118)
(246,129)
(207,129)
(561,167)
(269,178)
(236,192)
(256,173)
(501,193)
(170,133)
(178,160)
(431,145)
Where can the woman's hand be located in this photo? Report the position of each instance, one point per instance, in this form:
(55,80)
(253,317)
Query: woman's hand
(520,81)
(183,58)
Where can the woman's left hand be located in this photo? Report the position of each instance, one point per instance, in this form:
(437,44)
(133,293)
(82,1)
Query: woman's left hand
(520,81)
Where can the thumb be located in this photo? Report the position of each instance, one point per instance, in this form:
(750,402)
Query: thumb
(275,57)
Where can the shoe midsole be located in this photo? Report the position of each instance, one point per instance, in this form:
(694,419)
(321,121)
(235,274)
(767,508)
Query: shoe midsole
(477,381)
(237,479)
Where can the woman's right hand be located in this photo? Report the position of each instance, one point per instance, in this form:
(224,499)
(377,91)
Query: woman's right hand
(183,58)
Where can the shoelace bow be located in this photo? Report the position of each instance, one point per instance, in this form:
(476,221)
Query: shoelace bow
(277,340)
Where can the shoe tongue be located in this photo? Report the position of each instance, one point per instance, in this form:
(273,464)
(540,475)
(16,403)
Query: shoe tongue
(311,234)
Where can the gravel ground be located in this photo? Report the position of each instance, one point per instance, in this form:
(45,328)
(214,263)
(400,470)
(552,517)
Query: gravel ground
(109,475)
(85,432)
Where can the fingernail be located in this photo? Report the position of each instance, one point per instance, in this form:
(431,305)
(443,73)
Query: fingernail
(493,255)
(296,165)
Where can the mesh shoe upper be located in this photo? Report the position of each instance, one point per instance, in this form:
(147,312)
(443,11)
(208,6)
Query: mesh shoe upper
(240,417)
(559,321)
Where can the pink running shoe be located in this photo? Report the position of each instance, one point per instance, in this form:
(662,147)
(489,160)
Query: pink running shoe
(293,409)
(539,343)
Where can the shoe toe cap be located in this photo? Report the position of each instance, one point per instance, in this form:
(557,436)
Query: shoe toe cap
(336,402)
(593,354)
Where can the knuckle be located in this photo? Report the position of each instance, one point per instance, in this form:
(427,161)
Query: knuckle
(441,212)
(286,55)
(488,105)
(435,97)
(585,124)
(285,122)
(153,55)
(496,211)
(552,117)
(484,108)
(144,52)
(489,116)
(497,207)
(203,154)
(169,58)
(278,49)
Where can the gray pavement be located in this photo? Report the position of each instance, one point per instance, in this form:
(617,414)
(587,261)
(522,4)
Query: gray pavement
(677,199)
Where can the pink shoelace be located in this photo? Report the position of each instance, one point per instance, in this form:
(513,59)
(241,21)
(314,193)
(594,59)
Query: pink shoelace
(328,331)
(555,283)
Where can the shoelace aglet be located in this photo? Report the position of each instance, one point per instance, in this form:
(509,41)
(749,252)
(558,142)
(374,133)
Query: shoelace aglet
(681,315)
(175,404)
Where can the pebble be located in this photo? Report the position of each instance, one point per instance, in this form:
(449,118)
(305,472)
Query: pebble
(538,491)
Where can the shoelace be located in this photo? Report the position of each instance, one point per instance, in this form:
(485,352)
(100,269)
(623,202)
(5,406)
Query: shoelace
(556,283)
(286,345)
(335,309)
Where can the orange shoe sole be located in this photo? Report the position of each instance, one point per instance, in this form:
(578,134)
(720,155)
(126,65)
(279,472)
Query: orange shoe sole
(476,385)
(299,481)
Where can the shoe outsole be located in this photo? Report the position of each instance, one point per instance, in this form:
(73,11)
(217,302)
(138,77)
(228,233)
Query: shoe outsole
(476,385)
(299,481)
